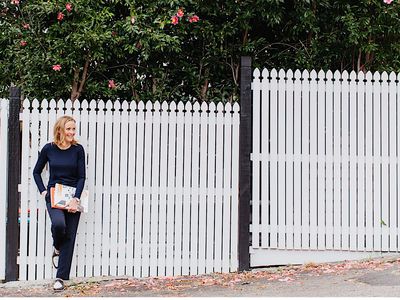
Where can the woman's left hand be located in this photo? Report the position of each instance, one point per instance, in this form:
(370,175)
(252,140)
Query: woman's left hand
(73,205)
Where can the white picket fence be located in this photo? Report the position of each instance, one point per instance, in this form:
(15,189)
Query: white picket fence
(325,158)
(163,182)
(3,182)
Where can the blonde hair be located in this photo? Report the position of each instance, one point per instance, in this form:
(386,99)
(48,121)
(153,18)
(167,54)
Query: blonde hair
(59,130)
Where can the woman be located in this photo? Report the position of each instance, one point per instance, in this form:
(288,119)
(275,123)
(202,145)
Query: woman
(66,160)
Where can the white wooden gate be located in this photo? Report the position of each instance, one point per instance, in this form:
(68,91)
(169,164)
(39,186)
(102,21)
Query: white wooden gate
(3,182)
(325,166)
(163,183)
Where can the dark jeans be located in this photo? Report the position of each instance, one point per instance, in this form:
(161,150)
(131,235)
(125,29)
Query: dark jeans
(63,228)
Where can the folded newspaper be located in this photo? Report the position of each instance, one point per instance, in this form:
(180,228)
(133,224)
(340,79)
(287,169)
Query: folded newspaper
(61,195)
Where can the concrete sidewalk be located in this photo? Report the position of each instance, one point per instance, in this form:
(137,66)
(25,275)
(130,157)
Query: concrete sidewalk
(367,278)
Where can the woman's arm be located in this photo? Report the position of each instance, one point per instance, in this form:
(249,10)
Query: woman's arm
(37,171)
(81,172)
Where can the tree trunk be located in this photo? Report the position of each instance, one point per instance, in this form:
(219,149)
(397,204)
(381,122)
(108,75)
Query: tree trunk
(79,83)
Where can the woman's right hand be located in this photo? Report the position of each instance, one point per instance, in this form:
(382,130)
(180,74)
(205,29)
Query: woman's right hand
(44,193)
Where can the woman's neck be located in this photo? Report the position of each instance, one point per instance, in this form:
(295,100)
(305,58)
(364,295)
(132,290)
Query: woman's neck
(64,145)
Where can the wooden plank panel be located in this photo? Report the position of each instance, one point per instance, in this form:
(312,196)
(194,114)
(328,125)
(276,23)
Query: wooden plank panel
(353,182)
(369,167)
(281,162)
(265,184)
(321,162)
(155,190)
(274,163)
(329,159)
(256,196)
(305,151)
(297,188)
(377,152)
(289,164)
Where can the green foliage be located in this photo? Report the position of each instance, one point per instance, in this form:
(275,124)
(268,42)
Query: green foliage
(129,49)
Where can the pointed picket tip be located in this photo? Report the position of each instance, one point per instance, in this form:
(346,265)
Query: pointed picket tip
(133,106)
(35,103)
(53,104)
(274,73)
(109,105)
(289,74)
(384,76)
(360,76)
(212,107)
(369,75)
(204,106)
(172,106)
(265,74)
(164,106)
(228,107)
(84,104)
(282,74)
(392,76)
(353,75)
(305,74)
(68,104)
(220,107)
(117,105)
(329,75)
(236,107)
(297,74)
(337,74)
(256,73)
(93,104)
(377,75)
(125,105)
(157,106)
(100,105)
(26,104)
(141,105)
(188,106)
(180,106)
(196,107)
(60,103)
(149,105)
(44,104)
(345,75)
(313,74)
(321,74)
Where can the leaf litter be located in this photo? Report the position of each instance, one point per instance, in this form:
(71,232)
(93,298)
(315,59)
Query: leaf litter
(285,274)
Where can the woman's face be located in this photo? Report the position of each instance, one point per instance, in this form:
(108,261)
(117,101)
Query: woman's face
(69,131)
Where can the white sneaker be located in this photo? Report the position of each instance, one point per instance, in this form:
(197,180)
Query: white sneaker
(58,285)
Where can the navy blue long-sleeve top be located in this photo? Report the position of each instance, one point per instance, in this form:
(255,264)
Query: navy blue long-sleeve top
(66,167)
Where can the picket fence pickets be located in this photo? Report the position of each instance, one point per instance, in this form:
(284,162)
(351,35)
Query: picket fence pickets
(325,165)
(163,183)
(3,182)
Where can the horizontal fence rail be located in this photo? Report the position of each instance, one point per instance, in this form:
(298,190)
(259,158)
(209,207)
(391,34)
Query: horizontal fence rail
(3,182)
(163,190)
(325,165)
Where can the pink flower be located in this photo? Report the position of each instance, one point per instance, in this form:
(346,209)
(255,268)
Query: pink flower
(23,43)
(180,13)
(174,20)
(388,1)
(68,7)
(15,2)
(26,26)
(56,67)
(194,19)
(60,16)
(111,84)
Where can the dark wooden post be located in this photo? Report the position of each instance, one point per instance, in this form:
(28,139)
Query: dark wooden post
(245,163)
(14,160)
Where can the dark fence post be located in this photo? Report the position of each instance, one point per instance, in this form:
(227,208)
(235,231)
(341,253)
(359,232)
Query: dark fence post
(14,159)
(245,174)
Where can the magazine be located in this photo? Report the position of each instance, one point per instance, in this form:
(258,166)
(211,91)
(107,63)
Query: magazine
(62,194)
